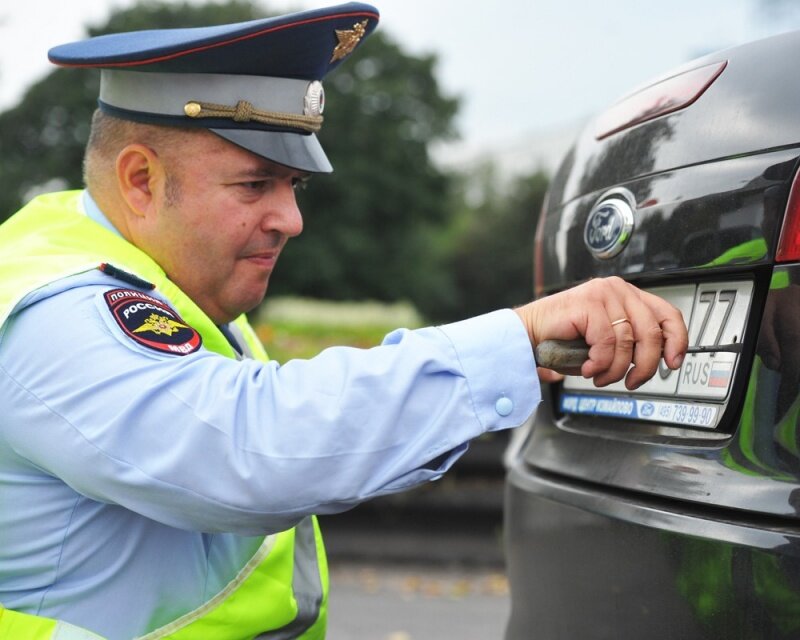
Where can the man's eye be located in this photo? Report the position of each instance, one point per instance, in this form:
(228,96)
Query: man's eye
(255,185)
(300,183)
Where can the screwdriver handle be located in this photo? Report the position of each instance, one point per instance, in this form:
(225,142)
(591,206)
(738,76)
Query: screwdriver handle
(561,355)
(565,356)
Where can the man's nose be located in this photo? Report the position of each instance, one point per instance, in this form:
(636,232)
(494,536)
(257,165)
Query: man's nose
(283,214)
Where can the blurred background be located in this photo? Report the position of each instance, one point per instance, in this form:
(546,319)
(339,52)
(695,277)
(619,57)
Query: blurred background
(444,131)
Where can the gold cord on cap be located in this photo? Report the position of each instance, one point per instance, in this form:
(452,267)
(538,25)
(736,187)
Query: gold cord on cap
(245,112)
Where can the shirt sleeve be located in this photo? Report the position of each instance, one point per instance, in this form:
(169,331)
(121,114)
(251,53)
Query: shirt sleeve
(207,443)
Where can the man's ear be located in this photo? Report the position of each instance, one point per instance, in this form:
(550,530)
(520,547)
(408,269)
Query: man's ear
(140,178)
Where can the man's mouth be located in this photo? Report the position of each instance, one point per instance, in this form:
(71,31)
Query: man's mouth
(266,259)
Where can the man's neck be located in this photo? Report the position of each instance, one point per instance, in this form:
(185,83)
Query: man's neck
(93,211)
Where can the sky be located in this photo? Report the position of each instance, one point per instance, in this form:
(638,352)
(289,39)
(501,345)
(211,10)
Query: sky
(524,69)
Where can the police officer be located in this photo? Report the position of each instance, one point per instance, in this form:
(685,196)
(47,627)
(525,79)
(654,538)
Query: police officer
(158,476)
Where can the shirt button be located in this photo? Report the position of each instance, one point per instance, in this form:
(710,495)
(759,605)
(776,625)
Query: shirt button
(504,406)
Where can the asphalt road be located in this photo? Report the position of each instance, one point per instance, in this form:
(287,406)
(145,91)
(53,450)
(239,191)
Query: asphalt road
(425,564)
(372,602)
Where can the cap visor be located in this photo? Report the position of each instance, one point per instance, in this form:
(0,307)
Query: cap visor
(303,152)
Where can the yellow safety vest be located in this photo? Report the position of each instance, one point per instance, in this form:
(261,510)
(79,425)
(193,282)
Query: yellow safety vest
(282,591)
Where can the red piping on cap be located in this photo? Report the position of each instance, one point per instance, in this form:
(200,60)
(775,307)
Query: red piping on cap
(178,54)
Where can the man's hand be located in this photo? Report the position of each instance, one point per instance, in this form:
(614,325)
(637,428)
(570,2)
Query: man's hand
(621,324)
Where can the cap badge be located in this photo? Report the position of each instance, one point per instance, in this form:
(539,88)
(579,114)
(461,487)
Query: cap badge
(348,39)
(314,101)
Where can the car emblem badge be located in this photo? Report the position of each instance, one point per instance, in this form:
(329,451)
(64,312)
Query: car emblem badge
(610,224)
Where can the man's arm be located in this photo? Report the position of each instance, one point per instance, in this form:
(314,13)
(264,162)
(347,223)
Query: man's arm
(208,443)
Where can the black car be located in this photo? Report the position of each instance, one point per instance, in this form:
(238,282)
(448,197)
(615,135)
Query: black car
(674,511)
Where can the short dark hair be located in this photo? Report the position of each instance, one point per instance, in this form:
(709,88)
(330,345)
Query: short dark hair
(109,135)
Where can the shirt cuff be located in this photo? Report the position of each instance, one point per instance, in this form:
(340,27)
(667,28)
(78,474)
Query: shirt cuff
(497,359)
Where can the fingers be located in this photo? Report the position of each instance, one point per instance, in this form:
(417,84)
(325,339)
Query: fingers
(622,325)
(625,329)
(674,336)
(610,334)
(659,330)
(548,375)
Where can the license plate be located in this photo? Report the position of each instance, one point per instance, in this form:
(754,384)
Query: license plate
(716,313)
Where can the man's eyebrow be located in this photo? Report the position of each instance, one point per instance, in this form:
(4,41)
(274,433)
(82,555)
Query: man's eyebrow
(269,172)
(258,172)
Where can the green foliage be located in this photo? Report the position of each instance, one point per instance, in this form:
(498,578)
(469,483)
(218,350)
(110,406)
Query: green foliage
(287,340)
(369,227)
(148,14)
(491,254)
(301,328)
(43,138)
(387,225)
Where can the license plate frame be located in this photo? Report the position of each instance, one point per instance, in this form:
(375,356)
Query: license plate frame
(716,313)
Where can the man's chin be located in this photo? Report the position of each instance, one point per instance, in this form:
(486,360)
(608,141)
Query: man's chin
(253,300)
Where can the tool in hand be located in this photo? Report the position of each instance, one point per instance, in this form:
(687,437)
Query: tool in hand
(565,356)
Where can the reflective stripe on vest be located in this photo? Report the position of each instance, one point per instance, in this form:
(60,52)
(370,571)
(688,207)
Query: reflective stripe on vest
(281,592)
(16,626)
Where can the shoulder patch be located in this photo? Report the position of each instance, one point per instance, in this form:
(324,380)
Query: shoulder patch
(152,323)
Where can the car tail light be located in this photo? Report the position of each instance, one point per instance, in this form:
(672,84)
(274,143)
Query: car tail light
(670,95)
(789,243)
(538,244)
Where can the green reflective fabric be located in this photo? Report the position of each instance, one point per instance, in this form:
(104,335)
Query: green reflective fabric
(22,626)
(51,239)
(73,244)
(15,625)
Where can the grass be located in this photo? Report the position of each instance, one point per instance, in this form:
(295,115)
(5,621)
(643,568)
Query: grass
(301,328)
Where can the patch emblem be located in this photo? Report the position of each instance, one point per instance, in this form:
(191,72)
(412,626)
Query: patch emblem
(152,323)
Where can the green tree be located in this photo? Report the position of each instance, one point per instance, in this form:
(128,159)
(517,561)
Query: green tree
(490,257)
(370,228)
(42,138)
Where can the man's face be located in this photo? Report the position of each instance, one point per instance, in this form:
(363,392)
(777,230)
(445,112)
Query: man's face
(222,223)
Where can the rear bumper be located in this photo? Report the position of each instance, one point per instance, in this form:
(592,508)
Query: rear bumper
(589,563)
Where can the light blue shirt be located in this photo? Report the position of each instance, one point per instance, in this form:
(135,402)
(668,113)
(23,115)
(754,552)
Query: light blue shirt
(135,484)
